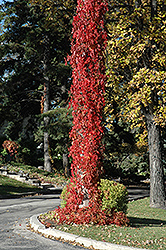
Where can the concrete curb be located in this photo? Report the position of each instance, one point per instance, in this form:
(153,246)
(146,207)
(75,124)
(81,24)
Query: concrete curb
(86,242)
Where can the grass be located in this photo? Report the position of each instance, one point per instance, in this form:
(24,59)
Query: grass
(147,228)
(147,225)
(9,187)
(44,176)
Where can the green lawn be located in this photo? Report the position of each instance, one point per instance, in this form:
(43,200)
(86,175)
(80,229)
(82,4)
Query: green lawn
(147,225)
(10,186)
(43,176)
(147,228)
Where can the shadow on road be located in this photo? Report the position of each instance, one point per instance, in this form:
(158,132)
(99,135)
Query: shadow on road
(143,222)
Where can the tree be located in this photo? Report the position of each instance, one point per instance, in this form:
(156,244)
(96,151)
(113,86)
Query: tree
(137,73)
(18,72)
(60,123)
(31,63)
(62,11)
(122,157)
(87,101)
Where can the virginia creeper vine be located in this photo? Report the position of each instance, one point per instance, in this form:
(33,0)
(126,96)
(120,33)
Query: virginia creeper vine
(87,59)
(87,97)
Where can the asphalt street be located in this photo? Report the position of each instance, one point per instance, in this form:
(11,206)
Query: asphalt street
(14,218)
(15,215)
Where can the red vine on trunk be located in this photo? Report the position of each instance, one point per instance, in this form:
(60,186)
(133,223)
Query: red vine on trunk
(87,98)
(87,59)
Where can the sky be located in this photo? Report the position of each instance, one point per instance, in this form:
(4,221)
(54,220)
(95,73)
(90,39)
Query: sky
(2,1)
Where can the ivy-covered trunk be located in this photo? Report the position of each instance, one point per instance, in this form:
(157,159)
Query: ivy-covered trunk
(87,59)
(87,99)
(157,189)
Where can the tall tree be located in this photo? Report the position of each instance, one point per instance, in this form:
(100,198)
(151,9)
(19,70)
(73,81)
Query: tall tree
(62,11)
(47,157)
(25,58)
(87,100)
(19,74)
(137,73)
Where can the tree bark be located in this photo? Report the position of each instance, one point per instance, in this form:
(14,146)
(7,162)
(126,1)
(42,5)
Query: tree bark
(66,165)
(157,189)
(47,159)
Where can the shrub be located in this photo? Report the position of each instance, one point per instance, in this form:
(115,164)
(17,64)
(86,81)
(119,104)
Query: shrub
(114,196)
(64,196)
(10,149)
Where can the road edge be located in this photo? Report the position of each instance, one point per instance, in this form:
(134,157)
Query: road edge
(38,227)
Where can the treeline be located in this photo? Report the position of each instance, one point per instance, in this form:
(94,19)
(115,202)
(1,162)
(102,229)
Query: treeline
(35,83)
(35,40)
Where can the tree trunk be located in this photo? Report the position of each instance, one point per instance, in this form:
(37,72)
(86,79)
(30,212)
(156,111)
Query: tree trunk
(66,165)
(157,189)
(47,159)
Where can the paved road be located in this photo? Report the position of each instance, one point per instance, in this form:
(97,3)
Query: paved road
(14,218)
(136,193)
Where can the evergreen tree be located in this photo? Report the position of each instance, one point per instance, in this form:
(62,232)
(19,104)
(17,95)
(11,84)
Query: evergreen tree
(23,65)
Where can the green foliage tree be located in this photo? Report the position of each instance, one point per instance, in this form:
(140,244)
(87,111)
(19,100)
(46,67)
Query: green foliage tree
(137,72)
(123,158)
(62,11)
(60,123)
(19,74)
(26,62)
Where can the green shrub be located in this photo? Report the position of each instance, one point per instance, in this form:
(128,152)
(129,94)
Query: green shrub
(113,195)
(63,196)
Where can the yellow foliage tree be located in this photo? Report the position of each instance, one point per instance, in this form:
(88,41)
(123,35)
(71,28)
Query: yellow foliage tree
(136,72)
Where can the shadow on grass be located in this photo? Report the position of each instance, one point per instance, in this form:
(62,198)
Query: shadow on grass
(10,190)
(144,222)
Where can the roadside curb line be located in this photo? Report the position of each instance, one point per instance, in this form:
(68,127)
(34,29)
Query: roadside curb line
(37,226)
